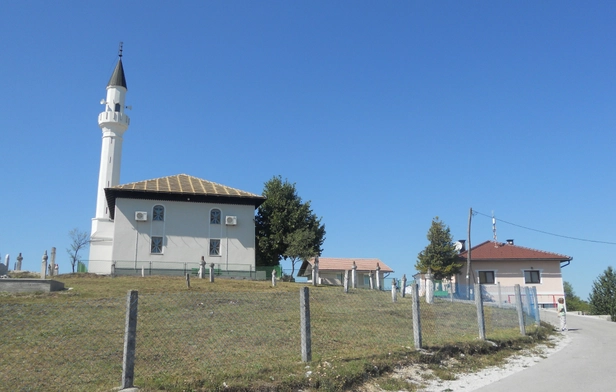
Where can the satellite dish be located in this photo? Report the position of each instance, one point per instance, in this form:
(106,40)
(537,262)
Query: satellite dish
(103,101)
(458,246)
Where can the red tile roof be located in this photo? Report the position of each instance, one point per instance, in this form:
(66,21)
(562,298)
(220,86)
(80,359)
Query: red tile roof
(491,250)
(344,264)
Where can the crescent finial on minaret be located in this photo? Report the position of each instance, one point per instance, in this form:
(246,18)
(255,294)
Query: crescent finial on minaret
(120,50)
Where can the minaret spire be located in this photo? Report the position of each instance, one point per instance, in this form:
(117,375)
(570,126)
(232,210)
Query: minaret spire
(113,123)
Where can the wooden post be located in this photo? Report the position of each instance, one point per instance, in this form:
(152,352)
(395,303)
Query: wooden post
(518,306)
(480,318)
(416,316)
(536,301)
(346,281)
(212,273)
(306,341)
(130,335)
(188,279)
(403,286)
(394,291)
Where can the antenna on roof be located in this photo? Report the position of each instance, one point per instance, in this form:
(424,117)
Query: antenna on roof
(494,228)
(120,50)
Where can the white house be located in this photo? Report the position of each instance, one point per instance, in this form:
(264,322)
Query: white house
(165,224)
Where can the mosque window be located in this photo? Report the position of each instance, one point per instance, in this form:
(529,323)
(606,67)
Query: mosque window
(215,217)
(158,213)
(117,107)
(157,245)
(214,247)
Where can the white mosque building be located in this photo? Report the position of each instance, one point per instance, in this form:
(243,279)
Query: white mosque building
(168,224)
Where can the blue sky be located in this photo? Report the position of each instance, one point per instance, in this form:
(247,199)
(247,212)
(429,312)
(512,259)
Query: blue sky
(384,114)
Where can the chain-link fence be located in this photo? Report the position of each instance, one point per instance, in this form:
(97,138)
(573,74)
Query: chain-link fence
(217,336)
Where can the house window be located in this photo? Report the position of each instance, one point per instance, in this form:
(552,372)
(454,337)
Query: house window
(486,277)
(156,245)
(215,217)
(159,213)
(214,247)
(532,276)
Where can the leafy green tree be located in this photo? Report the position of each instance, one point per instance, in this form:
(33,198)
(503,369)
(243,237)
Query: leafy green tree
(440,255)
(574,303)
(603,295)
(286,227)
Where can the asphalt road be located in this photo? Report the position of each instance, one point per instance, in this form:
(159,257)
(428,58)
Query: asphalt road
(587,363)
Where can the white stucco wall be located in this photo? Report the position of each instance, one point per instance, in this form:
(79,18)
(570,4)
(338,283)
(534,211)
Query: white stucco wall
(186,230)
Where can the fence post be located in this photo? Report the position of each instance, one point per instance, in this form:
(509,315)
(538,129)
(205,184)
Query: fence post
(536,299)
(130,334)
(394,291)
(518,306)
(429,287)
(306,341)
(480,319)
(403,286)
(346,281)
(416,316)
(500,296)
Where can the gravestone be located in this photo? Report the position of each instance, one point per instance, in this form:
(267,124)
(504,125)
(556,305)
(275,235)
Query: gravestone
(3,269)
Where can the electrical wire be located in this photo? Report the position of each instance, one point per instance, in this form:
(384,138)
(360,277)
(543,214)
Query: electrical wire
(546,232)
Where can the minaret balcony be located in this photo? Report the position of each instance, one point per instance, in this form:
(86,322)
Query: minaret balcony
(113,117)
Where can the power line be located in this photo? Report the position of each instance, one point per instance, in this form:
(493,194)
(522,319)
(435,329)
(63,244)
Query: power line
(546,232)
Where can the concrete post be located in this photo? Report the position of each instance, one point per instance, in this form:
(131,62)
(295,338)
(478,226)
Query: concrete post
(18,264)
(500,296)
(306,339)
(403,286)
(354,275)
(394,291)
(416,316)
(378,277)
(536,302)
(518,306)
(528,302)
(346,281)
(52,264)
(44,266)
(429,287)
(273,278)
(130,335)
(212,273)
(480,318)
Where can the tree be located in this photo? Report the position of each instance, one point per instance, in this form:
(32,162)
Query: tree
(573,301)
(603,295)
(286,227)
(440,256)
(79,240)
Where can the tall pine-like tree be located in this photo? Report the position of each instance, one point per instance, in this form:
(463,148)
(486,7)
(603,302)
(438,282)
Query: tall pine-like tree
(440,256)
(603,295)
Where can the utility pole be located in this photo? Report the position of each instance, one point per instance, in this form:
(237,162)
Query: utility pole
(468,256)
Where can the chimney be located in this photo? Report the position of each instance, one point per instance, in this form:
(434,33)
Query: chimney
(509,242)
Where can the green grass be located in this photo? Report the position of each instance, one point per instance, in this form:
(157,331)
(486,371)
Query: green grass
(232,335)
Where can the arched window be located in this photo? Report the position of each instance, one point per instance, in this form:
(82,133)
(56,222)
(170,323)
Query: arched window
(158,213)
(215,216)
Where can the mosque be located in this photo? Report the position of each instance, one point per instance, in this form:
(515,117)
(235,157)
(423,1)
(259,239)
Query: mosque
(167,224)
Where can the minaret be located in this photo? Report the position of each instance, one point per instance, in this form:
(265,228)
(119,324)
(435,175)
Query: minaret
(113,123)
